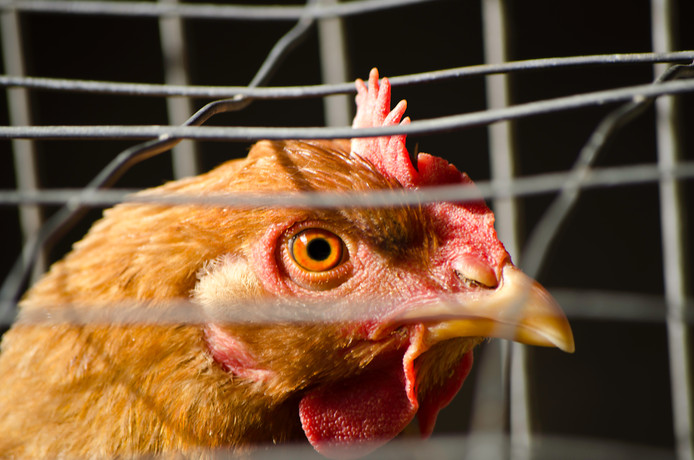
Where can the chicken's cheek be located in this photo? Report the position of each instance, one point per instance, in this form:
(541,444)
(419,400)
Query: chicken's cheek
(233,355)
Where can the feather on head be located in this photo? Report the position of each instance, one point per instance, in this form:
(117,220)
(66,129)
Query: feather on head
(466,225)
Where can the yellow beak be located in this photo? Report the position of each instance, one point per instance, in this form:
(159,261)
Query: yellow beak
(518,309)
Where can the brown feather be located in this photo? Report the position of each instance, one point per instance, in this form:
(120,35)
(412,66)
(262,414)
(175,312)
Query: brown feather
(103,390)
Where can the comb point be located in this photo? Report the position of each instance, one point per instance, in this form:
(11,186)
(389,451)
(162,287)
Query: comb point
(387,153)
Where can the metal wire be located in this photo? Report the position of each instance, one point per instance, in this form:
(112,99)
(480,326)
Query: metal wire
(306,91)
(591,305)
(433,125)
(205,11)
(171,30)
(59,222)
(545,231)
(26,163)
(518,187)
(674,270)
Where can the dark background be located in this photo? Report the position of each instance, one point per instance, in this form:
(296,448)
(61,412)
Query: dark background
(616,386)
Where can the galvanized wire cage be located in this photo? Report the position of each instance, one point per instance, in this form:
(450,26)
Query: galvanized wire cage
(574,120)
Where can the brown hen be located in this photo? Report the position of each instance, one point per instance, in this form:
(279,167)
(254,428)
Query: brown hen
(334,325)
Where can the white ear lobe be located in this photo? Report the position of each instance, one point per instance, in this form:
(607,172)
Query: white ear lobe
(226,286)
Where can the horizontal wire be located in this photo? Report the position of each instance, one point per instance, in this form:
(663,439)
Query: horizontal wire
(577,304)
(474,446)
(587,304)
(548,227)
(447,123)
(293,92)
(205,11)
(523,186)
(58,223)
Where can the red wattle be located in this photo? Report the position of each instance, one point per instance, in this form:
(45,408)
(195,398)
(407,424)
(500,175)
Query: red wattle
(354,417)
(438,398)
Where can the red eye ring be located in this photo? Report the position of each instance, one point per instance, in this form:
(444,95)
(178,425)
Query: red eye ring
(316,250)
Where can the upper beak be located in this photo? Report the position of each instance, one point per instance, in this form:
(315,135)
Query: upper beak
(518,309)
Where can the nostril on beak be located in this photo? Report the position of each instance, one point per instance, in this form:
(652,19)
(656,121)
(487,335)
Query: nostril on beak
(475,273)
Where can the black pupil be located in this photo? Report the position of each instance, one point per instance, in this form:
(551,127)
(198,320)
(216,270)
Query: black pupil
(318,249)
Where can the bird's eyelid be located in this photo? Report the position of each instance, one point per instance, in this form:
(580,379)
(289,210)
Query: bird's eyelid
(321,226)
(473,269)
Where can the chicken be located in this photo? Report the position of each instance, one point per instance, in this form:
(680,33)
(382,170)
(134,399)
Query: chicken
(336,326)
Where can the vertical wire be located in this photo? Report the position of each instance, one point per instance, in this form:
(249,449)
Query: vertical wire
(24,151)
(671,221)
(334,68)
(172,37)
(487,439)
(11,287)
(512,370)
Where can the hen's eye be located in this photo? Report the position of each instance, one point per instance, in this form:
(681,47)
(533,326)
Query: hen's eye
(316,250)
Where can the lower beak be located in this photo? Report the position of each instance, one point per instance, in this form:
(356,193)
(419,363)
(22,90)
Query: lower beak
(518,309)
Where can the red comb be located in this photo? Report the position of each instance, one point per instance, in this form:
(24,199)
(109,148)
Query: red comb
(387,153)
(471,223)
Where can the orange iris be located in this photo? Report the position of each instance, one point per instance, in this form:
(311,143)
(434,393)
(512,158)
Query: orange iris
(317,250)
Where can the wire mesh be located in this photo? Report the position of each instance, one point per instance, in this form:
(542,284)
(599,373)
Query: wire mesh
(567,214)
